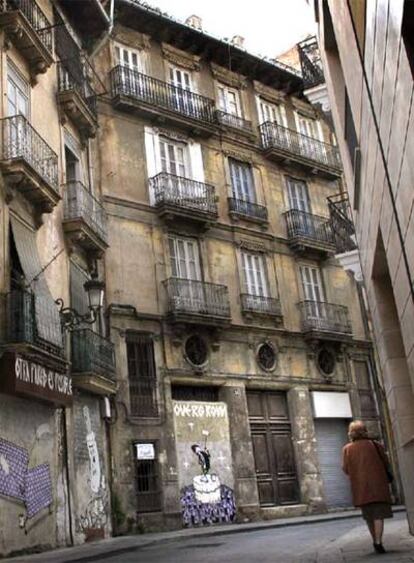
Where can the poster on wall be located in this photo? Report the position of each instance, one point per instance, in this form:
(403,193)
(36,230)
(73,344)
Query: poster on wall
(204,461)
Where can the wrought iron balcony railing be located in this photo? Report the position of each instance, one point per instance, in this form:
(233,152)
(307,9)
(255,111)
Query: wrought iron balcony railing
(260,304)
(184,193)
(310,62)
(308,226)
(197,297)
(80,204)
(342,222)
(20,141)
(248,209)
(34,16)
(23,313)
(325,317)
(129,82)
(72,76)
(276,136)
(234,121)
(92,353)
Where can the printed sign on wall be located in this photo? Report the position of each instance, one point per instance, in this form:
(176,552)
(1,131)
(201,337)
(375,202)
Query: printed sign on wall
(204,462)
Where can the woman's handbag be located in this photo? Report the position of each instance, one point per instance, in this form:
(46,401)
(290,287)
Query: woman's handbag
(387,468)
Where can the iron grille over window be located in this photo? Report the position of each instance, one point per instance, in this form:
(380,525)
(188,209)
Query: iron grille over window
(142,375)
(147,485)
(206,393)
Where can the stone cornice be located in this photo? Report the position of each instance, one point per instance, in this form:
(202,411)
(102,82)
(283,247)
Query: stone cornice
(180,58)
(228,77)
(305,109)
(269,94)
(136,40)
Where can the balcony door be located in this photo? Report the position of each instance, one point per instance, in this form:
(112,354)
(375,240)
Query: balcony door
(299,204)
(185,266)
(310,132)
(271,112)
(242,181)
(132,69)
(18,136)
(255,279)
(313,292)
(229,100)
(182,98)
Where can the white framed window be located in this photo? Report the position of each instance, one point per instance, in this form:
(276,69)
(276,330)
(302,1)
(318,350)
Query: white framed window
(180,78)
(18,91)
(184,258)
(298,195)
(309,127)
(229,100)
(129,58)
(254,274)
(313,291)
(242,182)
(275,113)
(174,157)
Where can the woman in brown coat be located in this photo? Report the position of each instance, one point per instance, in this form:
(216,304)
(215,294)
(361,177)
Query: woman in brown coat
(366,463)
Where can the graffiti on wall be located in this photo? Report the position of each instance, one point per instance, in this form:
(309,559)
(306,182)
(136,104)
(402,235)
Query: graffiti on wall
(31,486)
(93,517)
(204,462)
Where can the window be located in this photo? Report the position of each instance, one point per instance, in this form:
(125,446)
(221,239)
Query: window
(147,480)
(312,291)
(17,93)
(407,32)
(365,391)
(309,127)
(173,157)
(254,273)
(350,132)
(180,78)
(142,375)
(128,58)
(242,181)
(229,100)
(298,195)
(189,393)
(271,112)
(184,258)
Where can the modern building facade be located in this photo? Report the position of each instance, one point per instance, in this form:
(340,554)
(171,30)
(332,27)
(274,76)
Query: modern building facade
(367,53)
(239,338)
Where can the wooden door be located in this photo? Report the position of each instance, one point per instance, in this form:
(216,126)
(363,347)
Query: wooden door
(272,448)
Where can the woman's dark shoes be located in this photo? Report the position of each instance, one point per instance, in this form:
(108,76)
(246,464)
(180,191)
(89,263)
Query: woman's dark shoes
(379,548)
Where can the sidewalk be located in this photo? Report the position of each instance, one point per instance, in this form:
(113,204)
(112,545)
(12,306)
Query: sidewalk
(345,549)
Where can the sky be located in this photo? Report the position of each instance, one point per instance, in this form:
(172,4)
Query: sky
(269,27)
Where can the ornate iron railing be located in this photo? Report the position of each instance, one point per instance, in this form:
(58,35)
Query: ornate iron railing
(20,141)
(183,192)
(34,16)
(327,317)
(129,82)
(197,297)
(342,222)
(92,353)
(234,121)
(68,81)
(310,62)
(276,136)
(79,203)
(260,305)
(247,209)
(21,308)
(306,225)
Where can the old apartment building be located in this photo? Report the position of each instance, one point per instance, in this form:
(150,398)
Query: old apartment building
(179,345)
(367,51)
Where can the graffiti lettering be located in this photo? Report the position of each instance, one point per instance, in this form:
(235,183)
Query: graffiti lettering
(37,375)
(199,411)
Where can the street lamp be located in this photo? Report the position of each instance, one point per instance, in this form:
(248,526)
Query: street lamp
(71,317)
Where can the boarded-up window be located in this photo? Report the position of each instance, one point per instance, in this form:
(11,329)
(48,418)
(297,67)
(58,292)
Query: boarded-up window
(365,391)
(142,375)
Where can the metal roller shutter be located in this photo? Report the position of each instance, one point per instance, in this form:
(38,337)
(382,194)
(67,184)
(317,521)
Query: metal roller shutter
(331,435)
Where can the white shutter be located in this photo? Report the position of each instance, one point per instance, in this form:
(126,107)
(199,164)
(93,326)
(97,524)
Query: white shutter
(196,162)
(153,158)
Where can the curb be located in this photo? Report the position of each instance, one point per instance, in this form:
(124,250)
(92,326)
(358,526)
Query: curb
(222,532)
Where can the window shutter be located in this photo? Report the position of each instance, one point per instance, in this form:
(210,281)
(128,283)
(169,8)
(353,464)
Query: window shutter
(153,158)
(196,162)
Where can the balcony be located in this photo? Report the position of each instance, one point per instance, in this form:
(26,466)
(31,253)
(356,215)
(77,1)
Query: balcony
(235,123)
(342,223)
(197,302)
(27,27)
(93,362)
(325,321)
(29,326)
(176,197)
(247,210)
(165,103)
(309,233)
(285,145)
(28,163)
(259,305)
(76,97)
(84,219)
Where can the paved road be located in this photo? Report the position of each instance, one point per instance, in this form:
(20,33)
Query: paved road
(330,542)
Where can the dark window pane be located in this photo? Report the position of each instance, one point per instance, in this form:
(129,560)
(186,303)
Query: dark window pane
(142,375)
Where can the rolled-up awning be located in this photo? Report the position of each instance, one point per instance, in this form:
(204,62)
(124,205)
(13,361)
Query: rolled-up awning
(47,313)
